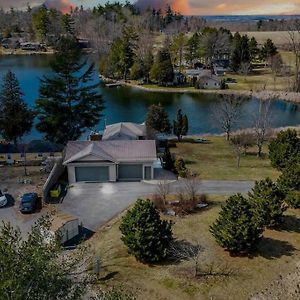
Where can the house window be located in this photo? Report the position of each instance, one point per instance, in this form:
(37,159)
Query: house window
(8,156)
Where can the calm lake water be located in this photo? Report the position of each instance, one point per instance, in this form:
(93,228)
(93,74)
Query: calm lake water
(128,104)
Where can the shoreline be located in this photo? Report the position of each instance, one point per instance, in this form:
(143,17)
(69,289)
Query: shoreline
(263,95)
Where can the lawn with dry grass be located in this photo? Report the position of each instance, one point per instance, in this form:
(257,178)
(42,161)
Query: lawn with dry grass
(230,277)
(216,160)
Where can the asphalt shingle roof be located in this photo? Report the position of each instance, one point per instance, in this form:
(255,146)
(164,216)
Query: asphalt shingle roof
(115,151)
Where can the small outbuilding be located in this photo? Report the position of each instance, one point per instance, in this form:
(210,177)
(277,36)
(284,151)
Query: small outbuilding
(66,226)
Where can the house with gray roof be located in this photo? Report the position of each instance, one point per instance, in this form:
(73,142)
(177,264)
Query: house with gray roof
(125,131)
(110,160)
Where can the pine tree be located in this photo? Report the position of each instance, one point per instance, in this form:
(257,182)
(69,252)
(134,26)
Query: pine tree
(268,50)
(236,229)
(193,48)
(158,119)
(68,105)
(284,151)
(267,201)
(180,127)
(289,182)
(253,48)
(144,233)
(67,24)
(15,117)
(162,70)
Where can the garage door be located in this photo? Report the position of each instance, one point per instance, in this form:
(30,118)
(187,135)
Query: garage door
(130,172)
(98,174)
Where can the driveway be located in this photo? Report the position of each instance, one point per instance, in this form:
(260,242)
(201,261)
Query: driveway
(97,203)
(11,214)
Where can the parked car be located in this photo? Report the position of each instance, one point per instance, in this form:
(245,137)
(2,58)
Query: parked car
(3,199)
(28,203)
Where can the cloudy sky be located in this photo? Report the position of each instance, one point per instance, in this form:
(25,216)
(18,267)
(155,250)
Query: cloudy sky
(195,7)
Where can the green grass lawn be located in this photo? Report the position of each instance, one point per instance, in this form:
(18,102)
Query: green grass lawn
(276,255)
(217,161)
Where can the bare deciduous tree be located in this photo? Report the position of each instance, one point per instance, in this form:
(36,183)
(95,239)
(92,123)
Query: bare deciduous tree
(227,112)
(183,250)
(245,69)
(262,123)
(294,41)
(191,187)
(238,147)
(163,190)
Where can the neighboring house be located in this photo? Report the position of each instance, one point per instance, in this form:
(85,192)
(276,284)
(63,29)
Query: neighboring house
(110,161)
(221,66)
(209,82)
(179,78)
(32,46)
(193,75)
(125,131)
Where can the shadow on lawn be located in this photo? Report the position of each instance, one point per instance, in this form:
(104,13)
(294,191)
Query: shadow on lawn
(290,224)
(272,249)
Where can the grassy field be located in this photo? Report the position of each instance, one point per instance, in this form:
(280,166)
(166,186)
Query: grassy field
(279,38)
(216,160)
(231,277)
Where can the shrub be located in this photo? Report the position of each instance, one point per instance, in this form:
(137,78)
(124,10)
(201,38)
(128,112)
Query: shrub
(285,149)
(292,199)
(289,182)
(268,202)
(159,202)
(180,167)
(168,160)
(236,229)
(144,233)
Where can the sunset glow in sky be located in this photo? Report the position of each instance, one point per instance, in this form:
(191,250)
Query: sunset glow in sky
(187,7)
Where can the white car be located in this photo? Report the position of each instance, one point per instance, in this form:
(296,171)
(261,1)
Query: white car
(3,199)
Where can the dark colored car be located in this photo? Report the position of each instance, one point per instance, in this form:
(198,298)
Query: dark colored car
(28,203)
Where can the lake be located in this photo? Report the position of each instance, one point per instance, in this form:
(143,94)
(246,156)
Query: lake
(129,104)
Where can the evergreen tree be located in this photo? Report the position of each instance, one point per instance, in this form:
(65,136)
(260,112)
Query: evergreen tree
(289,182)
(158,119)
(178,46)
(169,15)
(241,52)
(193,48)
(267,201)
(168,160)
(121,56)
(181,125)
(236,229)
(34,269)
(15,117)
(253,48)
(268,50)
(40,22)
(284,151)
(68,104)
(67,24)
(144,233)
(162,70)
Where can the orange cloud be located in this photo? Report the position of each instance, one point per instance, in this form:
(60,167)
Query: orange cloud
(63,5)
(181,6)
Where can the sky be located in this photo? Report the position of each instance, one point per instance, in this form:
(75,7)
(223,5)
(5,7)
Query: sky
(188,7)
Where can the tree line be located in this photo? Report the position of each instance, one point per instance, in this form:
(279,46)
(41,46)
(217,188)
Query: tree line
(68,103)
(135,56)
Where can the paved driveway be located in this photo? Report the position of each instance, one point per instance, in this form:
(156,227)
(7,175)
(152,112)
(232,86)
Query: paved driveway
(97,203)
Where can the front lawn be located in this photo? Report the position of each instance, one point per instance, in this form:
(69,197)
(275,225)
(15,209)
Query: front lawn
(231,277)
(217,161)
